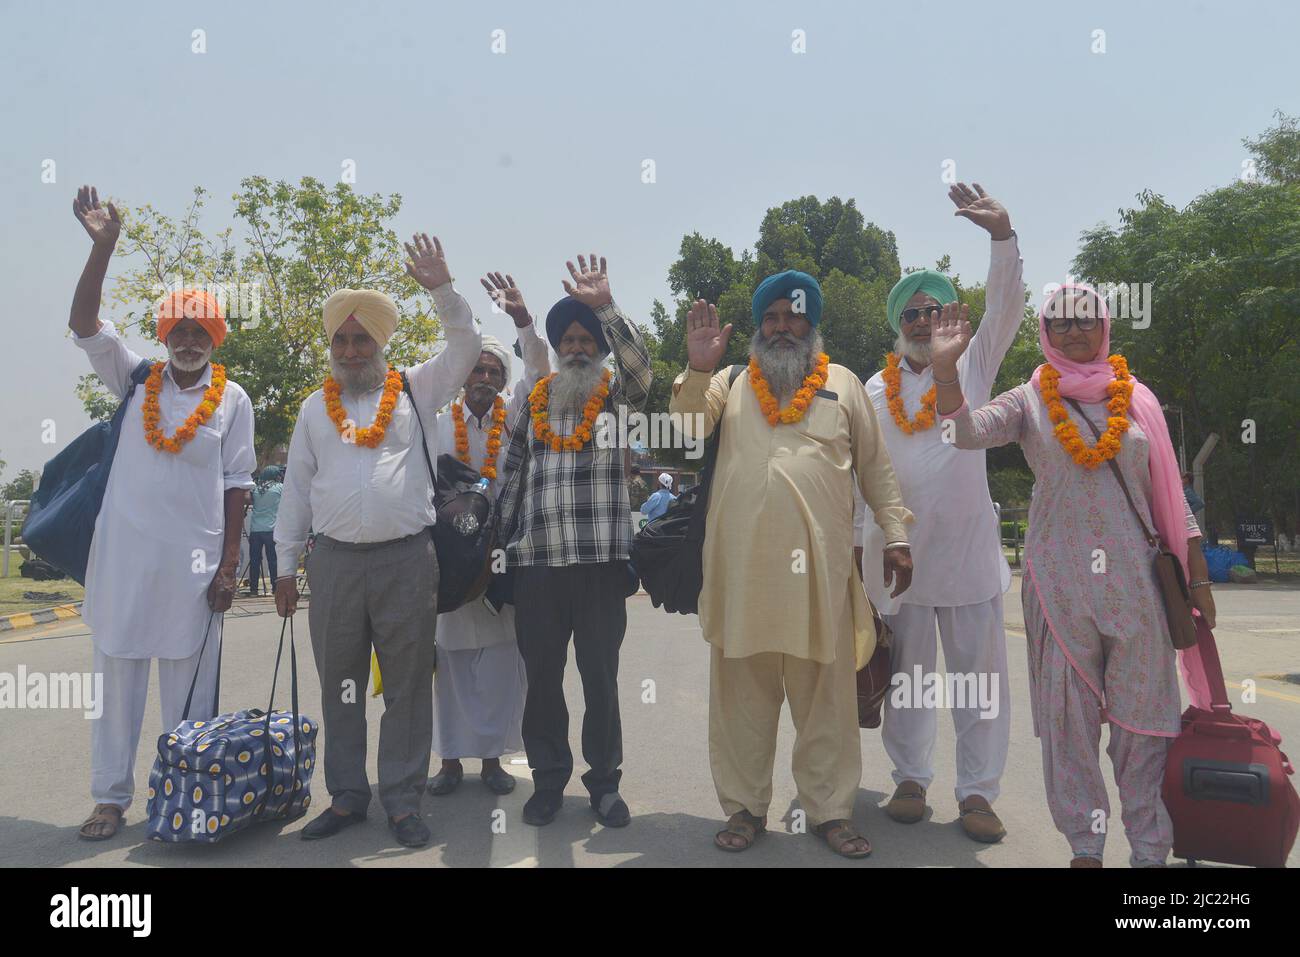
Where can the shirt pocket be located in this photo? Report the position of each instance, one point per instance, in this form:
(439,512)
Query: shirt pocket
(822,420)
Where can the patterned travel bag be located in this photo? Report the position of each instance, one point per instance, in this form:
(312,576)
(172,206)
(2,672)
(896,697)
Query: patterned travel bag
(218,775)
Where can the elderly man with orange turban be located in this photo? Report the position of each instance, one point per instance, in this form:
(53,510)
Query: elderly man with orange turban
(357,476)
(165,549)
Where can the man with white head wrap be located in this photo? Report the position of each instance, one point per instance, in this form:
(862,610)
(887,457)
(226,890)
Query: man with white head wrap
(480,684)
(357,477)
(663,496)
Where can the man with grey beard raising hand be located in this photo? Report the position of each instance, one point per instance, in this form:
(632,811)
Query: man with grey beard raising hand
(781,603)
(567,529)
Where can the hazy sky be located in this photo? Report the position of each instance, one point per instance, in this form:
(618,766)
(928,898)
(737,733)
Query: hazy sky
(523,159)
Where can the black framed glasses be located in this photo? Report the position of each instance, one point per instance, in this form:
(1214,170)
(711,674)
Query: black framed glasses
(911,315)
(1061,324)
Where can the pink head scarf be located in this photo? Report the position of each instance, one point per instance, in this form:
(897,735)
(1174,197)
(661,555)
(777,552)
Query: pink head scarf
(1087,381)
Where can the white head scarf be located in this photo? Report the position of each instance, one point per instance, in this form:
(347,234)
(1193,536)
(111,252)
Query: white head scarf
(666,480)
(495,347)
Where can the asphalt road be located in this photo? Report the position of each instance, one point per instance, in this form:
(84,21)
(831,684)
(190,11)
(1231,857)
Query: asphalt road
(44,765)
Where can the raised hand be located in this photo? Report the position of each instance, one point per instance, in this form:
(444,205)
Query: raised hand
(950,334)
(981,209)
(507,297)
(590,284)
(102,224)
(705,342)
(428,264)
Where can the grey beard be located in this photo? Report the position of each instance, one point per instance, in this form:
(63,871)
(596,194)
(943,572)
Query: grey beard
(184,366)
(918,352)
(365,379)
(782,367)
(481,393)
(573,385)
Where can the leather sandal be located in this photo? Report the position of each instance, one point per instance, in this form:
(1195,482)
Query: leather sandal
(744,825)
(838,834)
(979,822)
(1085,862)
(907,806)
(102,824)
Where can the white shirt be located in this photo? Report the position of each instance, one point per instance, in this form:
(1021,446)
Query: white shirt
(159,534)
(353,493)
(956,543)
(472,625)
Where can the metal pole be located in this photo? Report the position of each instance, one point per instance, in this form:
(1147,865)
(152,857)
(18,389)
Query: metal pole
(9,507)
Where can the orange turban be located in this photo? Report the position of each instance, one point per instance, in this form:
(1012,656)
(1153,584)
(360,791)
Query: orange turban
(196,304)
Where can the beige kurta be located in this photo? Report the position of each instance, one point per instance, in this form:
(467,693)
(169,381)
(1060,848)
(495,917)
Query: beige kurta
(778,546)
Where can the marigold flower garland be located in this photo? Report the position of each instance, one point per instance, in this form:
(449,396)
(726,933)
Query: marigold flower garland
(489,469)
(1067,433)
(152,416)
(802,398)
(538,400)
(893,386)
(373,434)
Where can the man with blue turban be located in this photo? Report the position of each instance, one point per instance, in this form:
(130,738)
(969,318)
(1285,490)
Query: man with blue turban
(961,573)
(781,604)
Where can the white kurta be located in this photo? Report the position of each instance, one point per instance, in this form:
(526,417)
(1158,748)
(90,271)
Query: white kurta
(473,625)
(352,493)
(159,535)
(956,543)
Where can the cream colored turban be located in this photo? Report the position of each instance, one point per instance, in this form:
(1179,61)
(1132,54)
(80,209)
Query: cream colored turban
(495,347)
(376,312)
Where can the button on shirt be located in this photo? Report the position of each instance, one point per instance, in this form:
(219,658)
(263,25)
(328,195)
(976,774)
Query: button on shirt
(160,531)
(956,543)
(357,494)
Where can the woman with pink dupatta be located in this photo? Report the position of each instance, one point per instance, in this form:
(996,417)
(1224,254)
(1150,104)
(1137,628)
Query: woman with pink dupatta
(1098,639)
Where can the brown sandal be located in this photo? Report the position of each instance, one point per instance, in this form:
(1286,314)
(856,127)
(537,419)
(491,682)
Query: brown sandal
(838,834)
(744,825)
(102,823)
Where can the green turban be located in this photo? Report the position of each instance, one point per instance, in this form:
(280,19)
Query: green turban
(928,281)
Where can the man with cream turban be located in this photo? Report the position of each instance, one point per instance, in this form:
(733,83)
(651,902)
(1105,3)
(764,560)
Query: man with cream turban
(961,573)
(480,683)
(165,549)
(357,478)
(781,604)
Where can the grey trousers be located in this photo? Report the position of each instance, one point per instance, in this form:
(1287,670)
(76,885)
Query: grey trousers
(382,594)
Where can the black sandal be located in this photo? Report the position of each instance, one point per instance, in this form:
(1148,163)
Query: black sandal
(444,782)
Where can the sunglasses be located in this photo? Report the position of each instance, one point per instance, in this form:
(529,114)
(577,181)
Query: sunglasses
(1061,324)
(911,315)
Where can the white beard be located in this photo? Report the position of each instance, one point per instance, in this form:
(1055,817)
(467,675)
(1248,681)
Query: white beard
(785,368)
(183,366)
(918,352)
(573,384)
(365,379)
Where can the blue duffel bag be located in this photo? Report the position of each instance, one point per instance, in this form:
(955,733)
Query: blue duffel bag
(61,518)
(218,775)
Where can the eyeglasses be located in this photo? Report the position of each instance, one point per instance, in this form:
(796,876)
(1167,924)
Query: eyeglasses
(911,315)
(1061,324)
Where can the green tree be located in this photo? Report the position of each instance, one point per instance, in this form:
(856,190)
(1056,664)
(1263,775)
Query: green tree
(22,486)
(298,244)
(1223,341)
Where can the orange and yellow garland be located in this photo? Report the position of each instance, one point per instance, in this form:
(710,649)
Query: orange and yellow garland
(1067,433)
(207,405)
(538,401)
(802,398)
(893,384)
(489,469)
(373,434)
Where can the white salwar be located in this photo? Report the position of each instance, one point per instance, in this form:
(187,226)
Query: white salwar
(960,572)
(480,684)
(157,544)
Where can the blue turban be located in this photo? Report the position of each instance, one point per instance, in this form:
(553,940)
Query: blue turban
(782,286)
(270,473)
(928,281)
(564,314)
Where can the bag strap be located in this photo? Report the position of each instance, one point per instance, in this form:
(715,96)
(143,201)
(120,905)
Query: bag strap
(1209,650)
(428,462)
(198,665)
(695,531)
(270,708)
(1119,477)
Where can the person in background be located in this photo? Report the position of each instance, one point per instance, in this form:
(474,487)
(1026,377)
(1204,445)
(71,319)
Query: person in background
(1194,501)
(663,496)
(637,490)
(261,529)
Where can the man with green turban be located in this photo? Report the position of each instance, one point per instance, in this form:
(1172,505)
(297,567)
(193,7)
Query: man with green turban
(960,571)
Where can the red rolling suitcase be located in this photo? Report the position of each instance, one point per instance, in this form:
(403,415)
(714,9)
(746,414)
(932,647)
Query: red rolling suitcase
(1227,783)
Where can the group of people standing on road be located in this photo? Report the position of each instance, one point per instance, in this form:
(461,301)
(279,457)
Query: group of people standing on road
(827,495)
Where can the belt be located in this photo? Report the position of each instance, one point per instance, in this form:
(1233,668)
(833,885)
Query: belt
(367,546)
